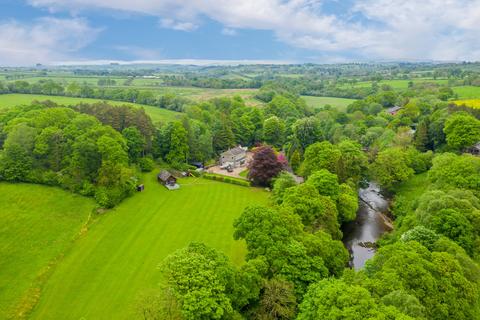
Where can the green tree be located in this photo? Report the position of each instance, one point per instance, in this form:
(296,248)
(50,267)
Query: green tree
(325,182)
(453,171)
(406,303)
(347,203)
(391,167)
(283,181)
(332,299)
(462,130)
(135,142)
(200,279)
(274,131)
(353,162)
(17,156)
(295,160)
(277,237)
(178,153)
(223,137)
(421,140)
(316,211)
(278,301)
(436,279)
(320,155)
(307,131)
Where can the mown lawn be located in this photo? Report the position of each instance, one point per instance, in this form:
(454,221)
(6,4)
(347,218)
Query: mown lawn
(317,102)
(38,224)
(157,114)
(118,258)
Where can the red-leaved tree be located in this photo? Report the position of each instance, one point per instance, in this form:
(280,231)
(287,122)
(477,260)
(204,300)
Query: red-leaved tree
(264,166)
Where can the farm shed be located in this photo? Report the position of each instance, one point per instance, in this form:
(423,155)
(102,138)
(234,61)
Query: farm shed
(168,180)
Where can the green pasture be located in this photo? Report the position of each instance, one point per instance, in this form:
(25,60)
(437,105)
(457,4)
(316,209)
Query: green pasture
(118,258)
(467,92)
(38,225)
(318,102)
(157,114)
(395,84)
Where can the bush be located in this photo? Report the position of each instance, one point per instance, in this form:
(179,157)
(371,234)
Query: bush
(226,179)
(88,189)
(146,164)
(109,198)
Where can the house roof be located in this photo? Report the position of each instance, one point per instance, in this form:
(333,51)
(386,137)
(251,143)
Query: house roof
(477,145)
(164,175)
(234,151)
(394,109)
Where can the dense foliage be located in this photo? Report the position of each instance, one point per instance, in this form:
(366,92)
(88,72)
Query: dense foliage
(314,160)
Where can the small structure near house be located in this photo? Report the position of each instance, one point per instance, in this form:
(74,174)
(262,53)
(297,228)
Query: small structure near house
(235,157)
(197,165)
(394,110)
(140,187)
(168,180)
(475,150)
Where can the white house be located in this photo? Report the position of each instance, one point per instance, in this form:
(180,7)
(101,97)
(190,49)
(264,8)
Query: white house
(235,157)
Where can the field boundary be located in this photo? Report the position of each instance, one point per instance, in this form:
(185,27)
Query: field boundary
(32,295)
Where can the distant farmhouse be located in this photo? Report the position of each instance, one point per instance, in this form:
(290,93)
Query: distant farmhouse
(235,157)
(168,180)
(394,110)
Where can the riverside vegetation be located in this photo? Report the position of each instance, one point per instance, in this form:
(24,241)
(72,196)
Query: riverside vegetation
(213,250)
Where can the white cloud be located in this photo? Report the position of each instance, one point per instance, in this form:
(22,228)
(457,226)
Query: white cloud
(178,25)
(229,32)
(370,29)
(45,40)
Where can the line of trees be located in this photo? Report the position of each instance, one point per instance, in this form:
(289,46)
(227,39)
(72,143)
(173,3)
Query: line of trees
(49,87)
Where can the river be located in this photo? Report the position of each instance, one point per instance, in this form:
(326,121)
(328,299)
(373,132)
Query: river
(361,234)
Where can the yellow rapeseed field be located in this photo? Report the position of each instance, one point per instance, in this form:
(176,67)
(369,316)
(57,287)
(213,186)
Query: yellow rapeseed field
(472,103)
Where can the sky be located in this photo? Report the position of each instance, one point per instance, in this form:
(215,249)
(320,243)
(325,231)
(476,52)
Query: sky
(202,31)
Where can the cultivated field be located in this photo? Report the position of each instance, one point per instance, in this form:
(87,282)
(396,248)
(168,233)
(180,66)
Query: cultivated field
(118,258)
(472,103)
(157,114)
(38,224)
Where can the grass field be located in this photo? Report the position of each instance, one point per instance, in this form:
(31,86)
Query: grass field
(317,102)
(467,92)
(38,224)
(396,84)
(157,114)
(102,274)
(414,187)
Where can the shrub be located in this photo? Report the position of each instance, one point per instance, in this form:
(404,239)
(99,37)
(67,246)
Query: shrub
(146,164)
(226,179)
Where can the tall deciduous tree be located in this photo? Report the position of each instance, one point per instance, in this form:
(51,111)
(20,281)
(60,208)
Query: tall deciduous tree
(462,130)
(391,167)
(274,131)
(264,166)
(201,280)
(320,155)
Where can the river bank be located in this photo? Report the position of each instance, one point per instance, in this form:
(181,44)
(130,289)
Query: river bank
(372,222)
